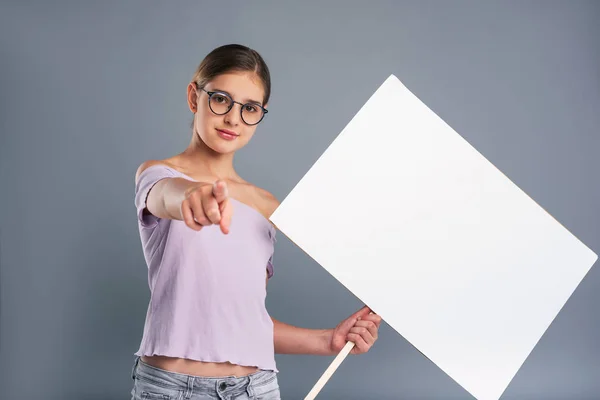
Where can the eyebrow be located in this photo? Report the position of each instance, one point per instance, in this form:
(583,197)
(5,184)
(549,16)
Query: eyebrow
(245,101)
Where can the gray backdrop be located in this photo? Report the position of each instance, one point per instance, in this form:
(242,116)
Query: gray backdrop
(91,89)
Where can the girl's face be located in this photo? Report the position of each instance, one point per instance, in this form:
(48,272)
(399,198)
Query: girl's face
(228,132)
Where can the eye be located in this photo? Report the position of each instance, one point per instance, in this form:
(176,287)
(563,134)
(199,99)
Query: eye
(250,108)
(219,98)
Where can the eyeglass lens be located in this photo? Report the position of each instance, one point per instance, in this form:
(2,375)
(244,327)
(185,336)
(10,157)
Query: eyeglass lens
(221,103)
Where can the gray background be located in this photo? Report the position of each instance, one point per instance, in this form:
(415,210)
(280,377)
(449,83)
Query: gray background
(91,89)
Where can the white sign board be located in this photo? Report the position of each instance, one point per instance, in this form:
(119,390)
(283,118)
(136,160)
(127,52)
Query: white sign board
(428,233)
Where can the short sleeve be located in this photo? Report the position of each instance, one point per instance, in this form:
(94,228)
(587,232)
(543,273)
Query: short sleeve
(273,237)
(270,267)
(147,179)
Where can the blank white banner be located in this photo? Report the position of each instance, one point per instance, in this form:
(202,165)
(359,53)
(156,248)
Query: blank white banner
(423,229)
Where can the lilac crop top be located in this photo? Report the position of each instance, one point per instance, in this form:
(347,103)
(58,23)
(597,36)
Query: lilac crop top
(207,289)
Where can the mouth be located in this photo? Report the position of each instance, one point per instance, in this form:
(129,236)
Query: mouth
(227,134)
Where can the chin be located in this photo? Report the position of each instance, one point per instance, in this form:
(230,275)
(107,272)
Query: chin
(221,147)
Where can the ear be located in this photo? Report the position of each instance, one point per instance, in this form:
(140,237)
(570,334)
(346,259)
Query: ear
(192,97)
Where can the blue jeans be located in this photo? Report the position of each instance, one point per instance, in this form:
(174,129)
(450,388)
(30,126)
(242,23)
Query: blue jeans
(157,384)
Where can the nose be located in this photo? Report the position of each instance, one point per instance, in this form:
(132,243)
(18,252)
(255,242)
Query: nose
(233,117)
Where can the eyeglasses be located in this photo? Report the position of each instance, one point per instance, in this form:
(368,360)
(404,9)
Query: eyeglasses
(221,103)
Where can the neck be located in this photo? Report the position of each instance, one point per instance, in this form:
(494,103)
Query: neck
(204,160)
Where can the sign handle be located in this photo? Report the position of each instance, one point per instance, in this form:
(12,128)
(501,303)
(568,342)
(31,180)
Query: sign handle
(329,371)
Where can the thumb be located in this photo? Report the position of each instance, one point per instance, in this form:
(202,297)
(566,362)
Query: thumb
(351,320)
(220,191)
(363,312)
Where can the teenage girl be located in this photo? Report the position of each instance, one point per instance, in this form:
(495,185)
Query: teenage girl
(208,244)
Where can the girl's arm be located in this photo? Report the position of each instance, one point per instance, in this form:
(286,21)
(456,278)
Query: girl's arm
(290,339)
(361,328)
(198,204)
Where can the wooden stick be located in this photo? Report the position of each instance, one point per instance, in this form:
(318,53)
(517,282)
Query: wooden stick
(329,371)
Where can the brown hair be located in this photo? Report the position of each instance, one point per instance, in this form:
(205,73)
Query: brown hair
(233,57)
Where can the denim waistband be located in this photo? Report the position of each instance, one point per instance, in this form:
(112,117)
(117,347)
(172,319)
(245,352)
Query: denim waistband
(232,385)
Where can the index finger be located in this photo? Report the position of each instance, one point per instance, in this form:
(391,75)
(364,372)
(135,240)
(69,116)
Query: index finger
(226,213)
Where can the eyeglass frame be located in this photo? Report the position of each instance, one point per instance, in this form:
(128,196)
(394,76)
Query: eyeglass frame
(211,93)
